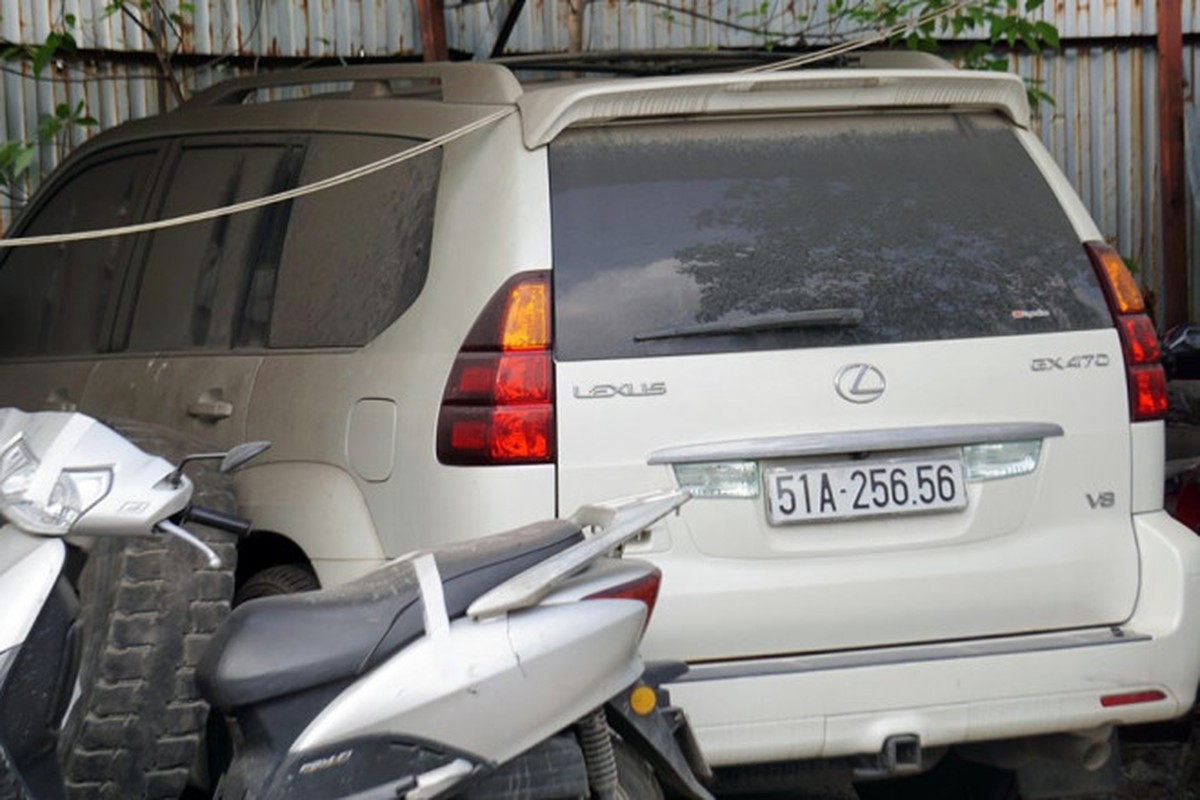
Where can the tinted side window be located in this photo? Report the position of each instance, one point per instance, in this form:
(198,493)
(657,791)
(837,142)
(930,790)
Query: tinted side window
(879,228)
(356,256)
(55,299)
(201,282)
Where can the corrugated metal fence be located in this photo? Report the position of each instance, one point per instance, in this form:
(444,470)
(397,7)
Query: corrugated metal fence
(1102,129)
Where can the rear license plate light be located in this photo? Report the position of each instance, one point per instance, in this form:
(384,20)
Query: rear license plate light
(736,479)
(989,462)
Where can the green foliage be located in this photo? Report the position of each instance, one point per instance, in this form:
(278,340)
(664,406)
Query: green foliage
(15,158)
(1001,25)
(162,28)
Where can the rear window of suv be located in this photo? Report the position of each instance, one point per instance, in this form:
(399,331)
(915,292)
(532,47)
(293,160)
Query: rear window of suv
(808,232)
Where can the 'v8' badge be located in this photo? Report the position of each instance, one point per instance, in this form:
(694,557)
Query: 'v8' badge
(859,383)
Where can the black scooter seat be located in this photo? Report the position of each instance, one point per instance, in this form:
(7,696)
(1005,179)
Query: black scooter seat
(279,645)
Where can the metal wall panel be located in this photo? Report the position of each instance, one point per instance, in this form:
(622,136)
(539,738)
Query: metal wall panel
(387,27)
(1103,132)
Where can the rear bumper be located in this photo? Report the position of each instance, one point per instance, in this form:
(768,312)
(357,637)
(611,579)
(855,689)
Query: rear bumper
(844,704)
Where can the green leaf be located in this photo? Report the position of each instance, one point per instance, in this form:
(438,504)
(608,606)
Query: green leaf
(22,160)
(44,53)
(1048,33)
(69,20)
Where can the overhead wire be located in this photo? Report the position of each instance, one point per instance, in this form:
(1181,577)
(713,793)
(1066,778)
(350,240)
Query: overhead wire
(259,202)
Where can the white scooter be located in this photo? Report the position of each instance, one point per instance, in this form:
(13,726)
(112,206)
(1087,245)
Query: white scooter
(505,667)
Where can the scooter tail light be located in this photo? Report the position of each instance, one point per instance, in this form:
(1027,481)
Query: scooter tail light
(644,589)
(1144,373)
(498,405)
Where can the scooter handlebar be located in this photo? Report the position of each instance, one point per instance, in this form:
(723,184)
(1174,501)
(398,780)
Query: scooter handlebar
(229,523)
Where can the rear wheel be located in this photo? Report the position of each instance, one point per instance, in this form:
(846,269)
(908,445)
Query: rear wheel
(635,779)
(279,579)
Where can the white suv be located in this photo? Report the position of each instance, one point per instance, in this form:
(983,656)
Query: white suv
(858,312)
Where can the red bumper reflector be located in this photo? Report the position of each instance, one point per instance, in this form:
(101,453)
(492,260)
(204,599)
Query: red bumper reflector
(1132,698)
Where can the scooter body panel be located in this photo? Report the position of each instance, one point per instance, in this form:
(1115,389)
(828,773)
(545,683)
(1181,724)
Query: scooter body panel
(493,687)
(29,566)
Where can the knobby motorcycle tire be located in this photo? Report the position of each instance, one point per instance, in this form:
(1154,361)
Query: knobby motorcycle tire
(148,607)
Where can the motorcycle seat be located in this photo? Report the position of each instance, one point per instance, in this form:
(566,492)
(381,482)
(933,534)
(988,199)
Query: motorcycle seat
(275,646)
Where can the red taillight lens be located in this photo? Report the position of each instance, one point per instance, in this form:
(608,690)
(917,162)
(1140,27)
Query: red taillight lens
(498,407)
(1139,341)
(643,589)
(1148,391)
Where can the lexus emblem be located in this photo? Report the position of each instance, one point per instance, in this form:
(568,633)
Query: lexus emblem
(859,383)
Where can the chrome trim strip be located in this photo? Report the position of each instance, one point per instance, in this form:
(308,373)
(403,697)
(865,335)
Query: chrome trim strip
(819,444)
(894,656)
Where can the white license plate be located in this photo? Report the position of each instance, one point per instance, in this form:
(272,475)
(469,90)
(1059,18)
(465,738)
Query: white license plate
(863,489)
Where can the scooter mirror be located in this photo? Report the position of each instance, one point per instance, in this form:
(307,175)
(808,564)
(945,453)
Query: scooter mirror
(238,456)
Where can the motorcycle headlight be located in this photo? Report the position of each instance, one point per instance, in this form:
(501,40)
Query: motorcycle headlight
(71,495)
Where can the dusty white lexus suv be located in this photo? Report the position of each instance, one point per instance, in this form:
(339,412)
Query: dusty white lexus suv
(856,311)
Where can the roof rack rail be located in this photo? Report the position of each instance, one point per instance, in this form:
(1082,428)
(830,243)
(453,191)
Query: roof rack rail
(465,82)
(685,62)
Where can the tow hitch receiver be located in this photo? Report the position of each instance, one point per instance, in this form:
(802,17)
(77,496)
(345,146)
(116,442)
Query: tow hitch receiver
(901,755)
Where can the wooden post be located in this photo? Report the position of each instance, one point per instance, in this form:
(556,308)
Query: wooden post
(432,16)
(1171,162)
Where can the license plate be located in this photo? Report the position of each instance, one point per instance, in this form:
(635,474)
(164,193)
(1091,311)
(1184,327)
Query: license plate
(873,488)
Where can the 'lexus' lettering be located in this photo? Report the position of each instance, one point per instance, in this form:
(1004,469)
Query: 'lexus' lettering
(605,390)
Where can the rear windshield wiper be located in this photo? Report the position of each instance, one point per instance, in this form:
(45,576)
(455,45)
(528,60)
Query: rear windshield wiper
(816,318)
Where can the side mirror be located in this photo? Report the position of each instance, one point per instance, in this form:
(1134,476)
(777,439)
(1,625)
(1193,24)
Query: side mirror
(234,459)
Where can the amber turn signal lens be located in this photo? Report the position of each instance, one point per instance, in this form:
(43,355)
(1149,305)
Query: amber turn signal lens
(1125,295)
(527,317)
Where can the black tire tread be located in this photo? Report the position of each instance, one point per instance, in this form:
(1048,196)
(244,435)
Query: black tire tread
(148,607)
(635,779)
(276,580)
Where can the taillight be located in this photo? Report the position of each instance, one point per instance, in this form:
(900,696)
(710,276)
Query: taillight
(1144,374)
(643,589)
(498,407)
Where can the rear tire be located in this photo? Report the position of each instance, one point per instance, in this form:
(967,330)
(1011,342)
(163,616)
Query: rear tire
(276,580)
(635,779)
(148,607)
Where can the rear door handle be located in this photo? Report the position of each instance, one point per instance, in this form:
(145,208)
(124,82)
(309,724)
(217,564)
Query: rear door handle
(211,406)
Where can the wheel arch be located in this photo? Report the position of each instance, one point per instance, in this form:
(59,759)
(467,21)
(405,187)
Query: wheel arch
(263,549)
(307,513)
